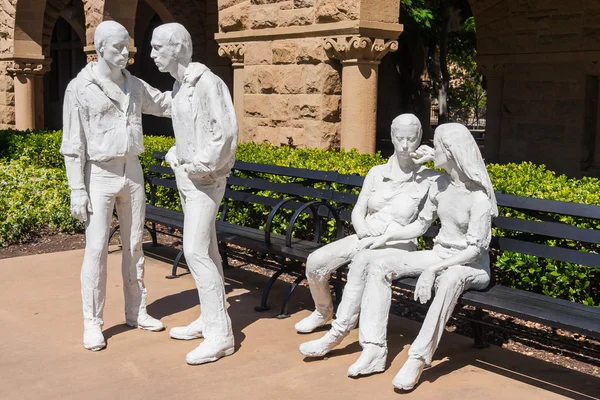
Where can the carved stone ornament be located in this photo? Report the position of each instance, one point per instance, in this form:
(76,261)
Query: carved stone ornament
(233,51)
(593,68)
(30,67)
(490,70)
(358,48)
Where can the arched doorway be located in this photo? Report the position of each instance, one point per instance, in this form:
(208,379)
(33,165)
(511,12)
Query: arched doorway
(68,58)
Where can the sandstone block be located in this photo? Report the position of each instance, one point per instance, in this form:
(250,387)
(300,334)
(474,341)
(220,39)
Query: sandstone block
(284,52)
(267,80)
(223,4)
(290,80)
(257,105)
(330,108)
(311,51)
(286,5)
(305,106)
(279,105)
(264,16)
(258,53)
(235,18)
(304,3)
(298,17)
(319,134)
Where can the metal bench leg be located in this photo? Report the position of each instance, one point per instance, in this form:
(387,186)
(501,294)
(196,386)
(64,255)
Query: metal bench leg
(175,264)
(224,259)
(112,233)
(290,291)
(152,232)
(263,303)
(478,330)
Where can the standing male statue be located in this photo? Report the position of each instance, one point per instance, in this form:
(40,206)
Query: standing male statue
(205,141)
(102,139)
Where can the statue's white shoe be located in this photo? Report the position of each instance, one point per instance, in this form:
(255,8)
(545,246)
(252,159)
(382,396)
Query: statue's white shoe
(188,332)
(146,322)
(92,338)
(210,351)
(409,374)
(312,322)
(371,360)
(320,347)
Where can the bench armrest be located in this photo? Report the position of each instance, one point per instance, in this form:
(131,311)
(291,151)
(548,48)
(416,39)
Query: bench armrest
(272,216)
(314,206)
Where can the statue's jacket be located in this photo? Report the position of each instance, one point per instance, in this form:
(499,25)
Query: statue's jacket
(204,122)
(97,127)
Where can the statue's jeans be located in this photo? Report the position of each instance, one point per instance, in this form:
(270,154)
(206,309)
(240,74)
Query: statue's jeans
(116,183)
(200,201)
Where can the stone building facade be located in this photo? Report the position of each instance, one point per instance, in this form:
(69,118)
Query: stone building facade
(306,72)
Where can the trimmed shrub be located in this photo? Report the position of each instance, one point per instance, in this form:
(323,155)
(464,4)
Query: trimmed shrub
(33,198)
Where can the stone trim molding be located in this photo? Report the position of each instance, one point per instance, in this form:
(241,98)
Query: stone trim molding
(358,49)
(30,67)
(233,51)
(348,28)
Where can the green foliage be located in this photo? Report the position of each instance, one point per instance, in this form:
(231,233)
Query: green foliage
(34,196)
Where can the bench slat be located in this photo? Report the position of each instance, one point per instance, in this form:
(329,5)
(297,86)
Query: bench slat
(325,176)
(552,229)
(556,253)
(551,206)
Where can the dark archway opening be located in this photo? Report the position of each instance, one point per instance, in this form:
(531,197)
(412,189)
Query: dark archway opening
(68,58)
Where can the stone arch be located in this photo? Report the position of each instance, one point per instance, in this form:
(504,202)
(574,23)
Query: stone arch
(53,10)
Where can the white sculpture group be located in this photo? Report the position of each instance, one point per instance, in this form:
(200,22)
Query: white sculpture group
(102,139)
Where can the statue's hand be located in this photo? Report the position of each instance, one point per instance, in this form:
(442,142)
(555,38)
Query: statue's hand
(425,286)
(80,204)
(376,230)
(371,242)
(171,158)
(423,154)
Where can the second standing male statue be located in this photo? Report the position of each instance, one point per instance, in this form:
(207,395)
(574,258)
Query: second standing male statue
(205,141)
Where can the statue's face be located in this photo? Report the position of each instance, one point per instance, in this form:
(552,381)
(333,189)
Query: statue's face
(115,50)
(163,52)
(405,139)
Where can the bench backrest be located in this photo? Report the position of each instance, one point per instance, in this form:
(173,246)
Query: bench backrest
(526,225)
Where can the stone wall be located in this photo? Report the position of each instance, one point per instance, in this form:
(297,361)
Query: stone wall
(7,95)
(292,94)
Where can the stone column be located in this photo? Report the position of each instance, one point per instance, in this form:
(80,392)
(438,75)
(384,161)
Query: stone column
(494,75)
(360,57)
(29,92)
(235,52)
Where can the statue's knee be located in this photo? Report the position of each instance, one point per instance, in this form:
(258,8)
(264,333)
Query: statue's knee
(450,281)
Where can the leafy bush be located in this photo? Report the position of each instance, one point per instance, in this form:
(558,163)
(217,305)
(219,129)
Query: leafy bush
(49,206)
(32,198)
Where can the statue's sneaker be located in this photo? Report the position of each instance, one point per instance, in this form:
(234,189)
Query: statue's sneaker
(371,360)
(188,332)
(210,350)
(312,322)
(409,374)
(320,347)
(146,322)
(92,338)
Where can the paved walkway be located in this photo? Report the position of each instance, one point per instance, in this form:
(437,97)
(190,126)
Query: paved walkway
(41,355)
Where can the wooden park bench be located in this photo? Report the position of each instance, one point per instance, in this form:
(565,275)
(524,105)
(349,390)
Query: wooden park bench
(330,195)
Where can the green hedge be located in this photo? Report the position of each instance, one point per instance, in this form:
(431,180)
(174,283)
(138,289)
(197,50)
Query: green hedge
(33,158)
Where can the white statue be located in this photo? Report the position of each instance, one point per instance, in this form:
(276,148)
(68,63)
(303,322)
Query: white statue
(205,141)
(464,201)
(102,138)
(392,194)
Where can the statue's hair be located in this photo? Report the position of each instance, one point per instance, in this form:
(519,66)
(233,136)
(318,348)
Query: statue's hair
(408,120)
(104,30)
(457,143)
(177,34)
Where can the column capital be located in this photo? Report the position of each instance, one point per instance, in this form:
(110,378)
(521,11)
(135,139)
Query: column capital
(491,70)
(22,66)
(593,68)
(233,51)
(358,49)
